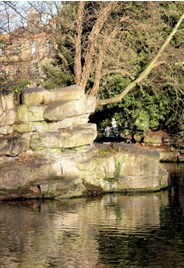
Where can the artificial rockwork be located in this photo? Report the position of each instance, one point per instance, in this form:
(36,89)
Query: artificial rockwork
(47,149)
(170,146)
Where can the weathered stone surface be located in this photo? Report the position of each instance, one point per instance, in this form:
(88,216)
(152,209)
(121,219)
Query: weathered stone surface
(5,130)
(181,143)
(90,104)
(69,122)
(43,126)
(169,156)
(31,127)
(35,96)
(43,140)
(4,146)
(181,158)
(13,146)
(60,110)
(151,138)
(78,136)
(182,126)
(125,171)
(75,172)
(6,102)
(16,173)
(30,113)
(73,92)
(118,171)
(60,186)
(7,117)
(50,121)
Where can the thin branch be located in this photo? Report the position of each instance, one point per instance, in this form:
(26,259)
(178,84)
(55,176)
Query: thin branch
(145,73)
(118,71)
(63,58)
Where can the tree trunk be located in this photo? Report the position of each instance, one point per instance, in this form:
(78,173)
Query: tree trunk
(95,87)
(92,40)
(77,65)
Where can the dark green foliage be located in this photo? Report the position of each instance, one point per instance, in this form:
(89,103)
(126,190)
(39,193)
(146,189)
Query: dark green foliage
(56,77)
(141,109)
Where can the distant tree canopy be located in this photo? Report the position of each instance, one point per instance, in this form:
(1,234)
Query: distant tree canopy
(110,48)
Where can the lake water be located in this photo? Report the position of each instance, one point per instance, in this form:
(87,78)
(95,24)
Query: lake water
(111,231)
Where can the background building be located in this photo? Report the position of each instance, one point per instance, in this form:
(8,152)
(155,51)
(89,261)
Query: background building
(23,50)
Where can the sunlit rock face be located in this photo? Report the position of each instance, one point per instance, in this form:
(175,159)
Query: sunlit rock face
(54,119)
(7,113)
(121,169)
(46,140)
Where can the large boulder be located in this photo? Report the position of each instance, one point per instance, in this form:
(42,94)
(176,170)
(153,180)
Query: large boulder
(40,96)
(128,168)
(64,109)
(43,126)
(35,96)
(76,137)
(73,92)
(75,172)
(19,173)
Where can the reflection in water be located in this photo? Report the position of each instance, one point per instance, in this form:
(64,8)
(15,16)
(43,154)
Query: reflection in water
(111,231)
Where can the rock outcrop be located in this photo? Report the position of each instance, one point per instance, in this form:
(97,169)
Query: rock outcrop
(169,146)
(47,149)
(55,119)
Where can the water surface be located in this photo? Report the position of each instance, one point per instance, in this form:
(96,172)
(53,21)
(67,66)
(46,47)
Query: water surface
(111,231)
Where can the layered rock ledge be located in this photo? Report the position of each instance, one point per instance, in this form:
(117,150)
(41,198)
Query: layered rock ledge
(47,150)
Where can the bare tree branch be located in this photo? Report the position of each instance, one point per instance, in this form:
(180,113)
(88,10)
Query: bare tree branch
(146,72)
(118,71)
(63,58)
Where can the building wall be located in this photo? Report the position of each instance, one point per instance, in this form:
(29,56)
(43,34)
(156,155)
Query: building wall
(23,51)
